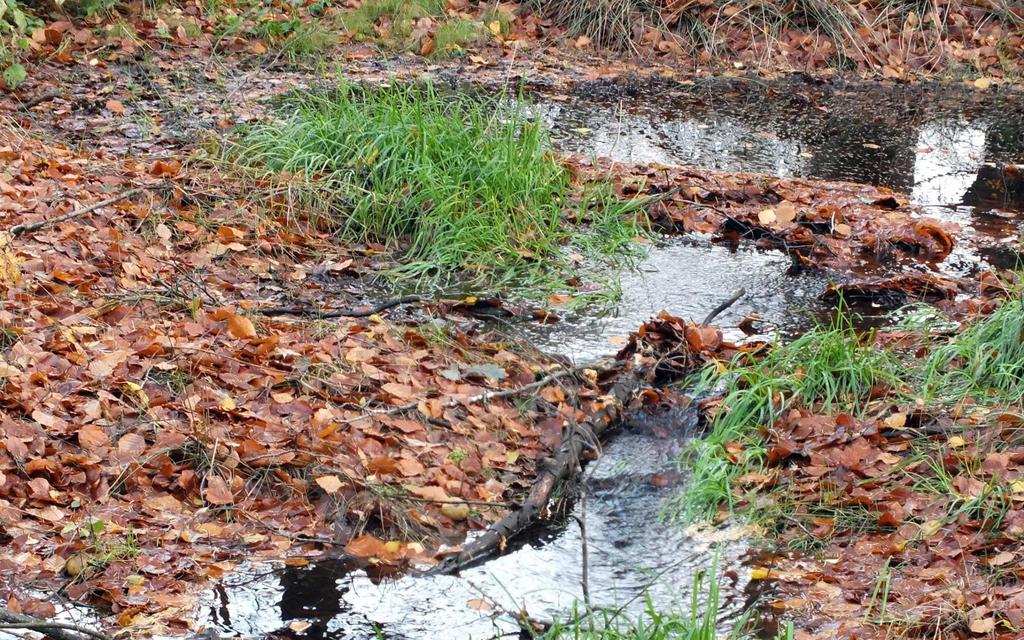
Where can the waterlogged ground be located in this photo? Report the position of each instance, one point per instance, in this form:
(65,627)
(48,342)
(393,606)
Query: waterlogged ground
(929,150)
(630,552)
(928,147)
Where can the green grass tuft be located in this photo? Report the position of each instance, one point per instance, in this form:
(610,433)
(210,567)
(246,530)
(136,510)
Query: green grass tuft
(830,367)
(465,187)
(608,23)
(453,36)
(390,21)
(984,362)
(698,622)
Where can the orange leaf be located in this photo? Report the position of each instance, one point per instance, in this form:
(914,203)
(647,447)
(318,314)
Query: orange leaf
(241,327)
(115,106)
(366,547)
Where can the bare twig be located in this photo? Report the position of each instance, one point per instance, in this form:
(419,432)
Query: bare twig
(20,229)
(55,630)
(361,312)
(40,99)
(481,397)
(717,311)
(584,548)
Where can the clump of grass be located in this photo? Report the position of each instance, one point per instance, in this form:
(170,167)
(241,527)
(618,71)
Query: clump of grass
(830,367)
(608,23)
(697,622)
(985,361)
(453,36)
(466,186)
(391,21)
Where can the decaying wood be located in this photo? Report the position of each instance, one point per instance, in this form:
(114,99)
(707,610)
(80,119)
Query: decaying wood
(359,312)
(55,630)
(555,472)
(565,468)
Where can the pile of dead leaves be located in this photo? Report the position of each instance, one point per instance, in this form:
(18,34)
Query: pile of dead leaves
(917,522)
(155,428)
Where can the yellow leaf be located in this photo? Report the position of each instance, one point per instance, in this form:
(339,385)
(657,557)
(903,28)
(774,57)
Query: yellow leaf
(241,327)
(982,83)
(495,28)
(330,484)
(455,510)
(930,528)
(759,573)
(392,546)
(896,421)
(956,442)
(227,404)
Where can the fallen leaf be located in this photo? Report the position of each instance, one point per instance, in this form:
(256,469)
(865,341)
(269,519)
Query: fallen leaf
(217,491)
(330,484)
(241,327)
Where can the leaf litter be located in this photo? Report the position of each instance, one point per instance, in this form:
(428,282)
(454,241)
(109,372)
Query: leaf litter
(156,429)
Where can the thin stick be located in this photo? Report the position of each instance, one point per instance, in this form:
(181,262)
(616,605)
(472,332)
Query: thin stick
(717,311)
(20,229)
(361,312)
(584,548)
(55,630)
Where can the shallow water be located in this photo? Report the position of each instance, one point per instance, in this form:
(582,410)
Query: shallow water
(689,277)
(928,146)
(631,553)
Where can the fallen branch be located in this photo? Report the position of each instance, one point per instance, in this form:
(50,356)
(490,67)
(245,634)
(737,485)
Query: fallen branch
(20,229)
(481,397)
(565,467)
(40,99)
(55,630)
(562,469)
(361,312)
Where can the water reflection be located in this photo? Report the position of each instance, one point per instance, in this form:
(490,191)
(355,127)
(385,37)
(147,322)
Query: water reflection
(631,553)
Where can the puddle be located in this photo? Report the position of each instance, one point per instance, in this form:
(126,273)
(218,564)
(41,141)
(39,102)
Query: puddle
(630,553)
(938,148)
(689,277)
(926,144)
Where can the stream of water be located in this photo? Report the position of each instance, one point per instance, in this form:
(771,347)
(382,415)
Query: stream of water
(929,147)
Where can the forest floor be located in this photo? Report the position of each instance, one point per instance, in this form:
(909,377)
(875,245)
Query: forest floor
(162,418)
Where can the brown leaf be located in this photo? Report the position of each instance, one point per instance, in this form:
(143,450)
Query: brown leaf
(115,106)
(217,491)
(382,465)
(92,437)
